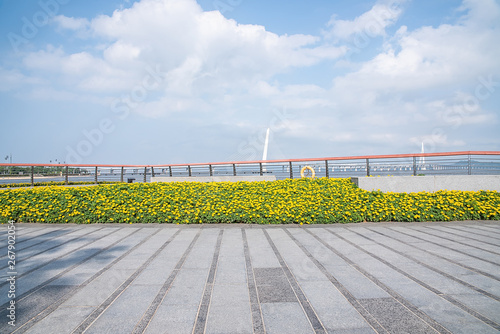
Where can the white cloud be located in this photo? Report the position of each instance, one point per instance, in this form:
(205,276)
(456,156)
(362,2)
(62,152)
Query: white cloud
(13,80)
(487,10)
(217,71)
(171,31)
(121,54)
(79,71)
(371,24)
(303,97)
(404,82)
(71,23)
(169,105)
(51,94)
(429,57)
(422,88)
(202,53)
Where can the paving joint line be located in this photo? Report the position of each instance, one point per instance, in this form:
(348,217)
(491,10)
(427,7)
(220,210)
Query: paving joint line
(28,236)
(479,271)
(71,293)
(42,230)
(490,229)
(433,228)
(470,286)
(448,247)
(306,306)
(257,319)
(439,256)
(445,296)
(104,305)
(369,318)
(57,258)
(467,229)
(50,248)
(143,323)
(431,322)
(19,244)
(201,318)
(26,233)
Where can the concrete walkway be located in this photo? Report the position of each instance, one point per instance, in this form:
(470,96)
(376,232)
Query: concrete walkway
(356,278)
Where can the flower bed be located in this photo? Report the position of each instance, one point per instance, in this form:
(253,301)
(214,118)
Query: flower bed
(280,202)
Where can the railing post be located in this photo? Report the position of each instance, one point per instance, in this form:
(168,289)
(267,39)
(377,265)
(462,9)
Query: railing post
(95,176)
(414,166)
(170,170)
(189,170)
(291,170)
(145,172)
(211,171)
(234,169)
(327,171)
(32,176)
(121,175)
(469,166)
(66,181)
(260,168)
(367,167)
(152,172)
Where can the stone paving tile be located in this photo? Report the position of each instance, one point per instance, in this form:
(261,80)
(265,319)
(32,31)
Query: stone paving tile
(463,237)
(128,307)
(449,255)
(261,254)
(28,236)
(354,278)
(484,305)
(285,318)
(188,279)
(395,317)
(62,320)
(333,308)
(273,286)
(202,253)
(418,271)
(467,248)
(490,229)
(87,269)
(231,268)
(173,318)
(477,234)
(50,271)
(229,294)
(28,308)
(355,282)
(26,244)
(229,319)
(303,269)
(52,249)
(275,294)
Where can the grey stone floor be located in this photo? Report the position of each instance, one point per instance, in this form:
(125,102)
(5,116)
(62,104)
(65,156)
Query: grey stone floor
(356,278)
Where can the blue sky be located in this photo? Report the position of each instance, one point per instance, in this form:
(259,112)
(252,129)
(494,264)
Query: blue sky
(178,81)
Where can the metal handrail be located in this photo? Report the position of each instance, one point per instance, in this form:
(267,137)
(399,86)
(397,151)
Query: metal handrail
(362,157)
(364,164)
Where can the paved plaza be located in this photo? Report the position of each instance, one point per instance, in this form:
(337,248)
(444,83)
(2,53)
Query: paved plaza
(355,278)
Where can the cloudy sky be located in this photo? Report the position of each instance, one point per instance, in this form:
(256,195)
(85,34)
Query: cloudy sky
(174,81)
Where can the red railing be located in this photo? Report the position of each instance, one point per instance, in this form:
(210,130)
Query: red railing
(361,157)
(464,162)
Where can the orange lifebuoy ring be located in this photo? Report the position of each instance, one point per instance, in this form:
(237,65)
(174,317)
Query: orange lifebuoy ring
(308,168)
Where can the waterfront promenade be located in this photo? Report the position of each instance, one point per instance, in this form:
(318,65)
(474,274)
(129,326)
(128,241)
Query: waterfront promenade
(353,278)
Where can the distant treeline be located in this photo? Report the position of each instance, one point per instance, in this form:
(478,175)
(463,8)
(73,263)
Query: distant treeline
(16,170)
